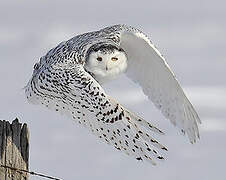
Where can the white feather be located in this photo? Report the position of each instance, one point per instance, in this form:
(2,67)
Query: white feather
(65,81)
(147,67)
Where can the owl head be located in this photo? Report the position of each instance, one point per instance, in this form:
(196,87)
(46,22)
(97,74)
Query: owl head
(105,62)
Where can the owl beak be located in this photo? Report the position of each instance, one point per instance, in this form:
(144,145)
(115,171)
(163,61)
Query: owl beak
(108,65)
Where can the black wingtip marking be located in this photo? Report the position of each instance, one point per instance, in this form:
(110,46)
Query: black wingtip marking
(164,148)
(160,157)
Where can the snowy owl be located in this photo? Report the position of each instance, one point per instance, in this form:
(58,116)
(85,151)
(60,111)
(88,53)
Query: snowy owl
(68,79)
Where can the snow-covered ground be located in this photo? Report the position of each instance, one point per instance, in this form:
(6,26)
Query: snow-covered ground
(191,35)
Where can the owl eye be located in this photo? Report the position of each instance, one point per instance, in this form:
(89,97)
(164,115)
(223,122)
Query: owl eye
(99,58)
(114,58)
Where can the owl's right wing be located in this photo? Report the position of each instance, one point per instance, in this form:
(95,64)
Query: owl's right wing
(80,96)
(148,68)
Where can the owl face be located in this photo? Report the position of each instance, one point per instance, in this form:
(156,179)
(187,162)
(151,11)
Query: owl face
(106,62)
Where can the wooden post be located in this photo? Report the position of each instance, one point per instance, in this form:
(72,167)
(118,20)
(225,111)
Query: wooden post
(14,150)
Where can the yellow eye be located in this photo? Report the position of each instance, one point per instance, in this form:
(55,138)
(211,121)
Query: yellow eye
(114,58)
(99,58)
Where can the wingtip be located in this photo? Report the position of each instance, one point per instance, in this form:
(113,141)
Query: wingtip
(161,132)
(164,148)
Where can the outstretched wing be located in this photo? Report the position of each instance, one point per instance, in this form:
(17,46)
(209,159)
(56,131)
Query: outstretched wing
(60,82)
(74,92)
(147,67)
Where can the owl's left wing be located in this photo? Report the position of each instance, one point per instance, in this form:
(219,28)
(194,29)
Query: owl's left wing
(75,93)
(148,68)
(111,122)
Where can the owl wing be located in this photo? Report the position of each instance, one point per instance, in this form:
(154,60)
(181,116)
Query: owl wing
(74,92)
(111,122)
(148,68)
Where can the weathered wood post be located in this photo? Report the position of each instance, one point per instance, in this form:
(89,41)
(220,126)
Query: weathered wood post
(14,150)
